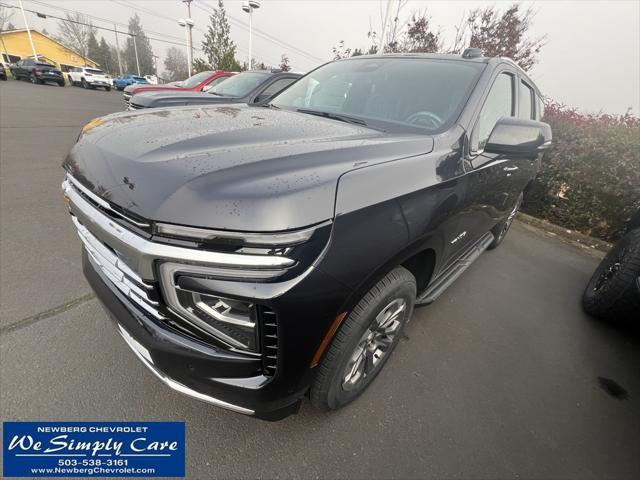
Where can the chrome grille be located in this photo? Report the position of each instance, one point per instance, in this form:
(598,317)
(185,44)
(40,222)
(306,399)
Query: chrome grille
(113,268)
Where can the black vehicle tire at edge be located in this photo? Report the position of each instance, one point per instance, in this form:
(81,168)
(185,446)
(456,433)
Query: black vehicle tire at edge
(326,392)
(83,84)
(33,79)
(501,229)
(618,298)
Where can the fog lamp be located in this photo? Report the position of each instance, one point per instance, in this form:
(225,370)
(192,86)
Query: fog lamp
(232,321)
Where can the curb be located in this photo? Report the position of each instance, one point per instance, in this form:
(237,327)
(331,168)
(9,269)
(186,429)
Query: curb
(594,245)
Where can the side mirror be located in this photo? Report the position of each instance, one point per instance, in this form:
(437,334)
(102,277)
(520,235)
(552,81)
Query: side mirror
(517,136)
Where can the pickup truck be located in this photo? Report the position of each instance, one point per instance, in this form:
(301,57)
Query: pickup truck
(254,255)
(87,77)
(246,87)
(199,82)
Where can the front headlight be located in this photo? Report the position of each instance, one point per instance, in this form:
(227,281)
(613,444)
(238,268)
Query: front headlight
(270,258)
(233,322)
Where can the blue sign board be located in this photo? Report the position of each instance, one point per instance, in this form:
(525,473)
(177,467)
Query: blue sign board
(93,449)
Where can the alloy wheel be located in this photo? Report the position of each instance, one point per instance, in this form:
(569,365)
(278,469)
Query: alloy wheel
(374,344)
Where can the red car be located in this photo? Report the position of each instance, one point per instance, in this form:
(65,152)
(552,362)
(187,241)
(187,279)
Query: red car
(196,83)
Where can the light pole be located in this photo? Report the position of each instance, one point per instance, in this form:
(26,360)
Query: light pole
(249,7)
(188,3)
(188,24)
(26,25)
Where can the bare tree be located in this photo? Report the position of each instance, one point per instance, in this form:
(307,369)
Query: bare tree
(5,15)
(285,66)
(76,32)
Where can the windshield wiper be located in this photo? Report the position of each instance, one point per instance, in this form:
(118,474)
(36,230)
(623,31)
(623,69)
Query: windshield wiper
(334,116)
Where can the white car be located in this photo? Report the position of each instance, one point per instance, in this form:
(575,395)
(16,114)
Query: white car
(88,77)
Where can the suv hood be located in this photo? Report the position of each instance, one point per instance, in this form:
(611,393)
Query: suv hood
(228,167)
(180,97)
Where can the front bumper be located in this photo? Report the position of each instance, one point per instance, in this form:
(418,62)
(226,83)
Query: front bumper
(185,365)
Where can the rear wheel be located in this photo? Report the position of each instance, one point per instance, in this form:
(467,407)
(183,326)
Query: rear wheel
(33,79)
(364,341)
(61,83)
(108,89)
(613,293)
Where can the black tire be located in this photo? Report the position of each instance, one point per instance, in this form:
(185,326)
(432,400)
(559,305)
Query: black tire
(61,84)
(613,294)
(108,89)
(501,229)
(339,380)
(33,79)
(84,84)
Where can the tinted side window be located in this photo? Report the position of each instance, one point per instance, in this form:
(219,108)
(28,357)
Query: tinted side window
(499,103)
(276,86)
(525,102)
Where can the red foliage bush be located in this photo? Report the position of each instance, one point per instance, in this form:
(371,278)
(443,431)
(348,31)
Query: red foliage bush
(590,177)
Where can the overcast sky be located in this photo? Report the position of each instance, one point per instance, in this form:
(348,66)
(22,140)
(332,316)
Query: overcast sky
(591,59)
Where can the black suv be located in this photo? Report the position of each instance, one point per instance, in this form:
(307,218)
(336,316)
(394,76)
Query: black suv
(247,87)
(37,72)
(251,255)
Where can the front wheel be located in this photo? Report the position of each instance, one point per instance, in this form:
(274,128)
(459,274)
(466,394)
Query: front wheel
(108,89)
(84,84)
(613,293)
(501,229)
(33,79)
(364,341)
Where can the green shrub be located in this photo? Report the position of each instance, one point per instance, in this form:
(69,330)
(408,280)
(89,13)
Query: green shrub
(590,177)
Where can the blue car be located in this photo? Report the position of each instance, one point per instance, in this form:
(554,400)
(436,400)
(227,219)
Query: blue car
(125,80)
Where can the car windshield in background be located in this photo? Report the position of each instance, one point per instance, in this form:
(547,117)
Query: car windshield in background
(94,71)
(387,93)
(45,65)
(239,85)
(195,79)
(140,79)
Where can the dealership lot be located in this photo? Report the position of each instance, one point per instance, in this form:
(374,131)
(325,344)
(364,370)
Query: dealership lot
(501,377)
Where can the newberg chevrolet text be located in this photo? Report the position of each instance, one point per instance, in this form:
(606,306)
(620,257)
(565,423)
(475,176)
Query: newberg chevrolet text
(252,255)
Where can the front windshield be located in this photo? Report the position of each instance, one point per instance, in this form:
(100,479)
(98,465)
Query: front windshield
(392,92)
(196,79)
(239,85)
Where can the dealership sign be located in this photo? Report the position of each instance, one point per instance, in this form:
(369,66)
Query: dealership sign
(93,449)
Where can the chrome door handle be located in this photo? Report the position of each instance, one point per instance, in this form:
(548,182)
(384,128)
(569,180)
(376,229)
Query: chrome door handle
(509,169)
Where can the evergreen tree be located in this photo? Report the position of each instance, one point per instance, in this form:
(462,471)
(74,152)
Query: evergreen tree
(145,52)
(217,44)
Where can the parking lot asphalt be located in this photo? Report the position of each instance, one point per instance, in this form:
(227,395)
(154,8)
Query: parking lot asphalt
(504,376)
